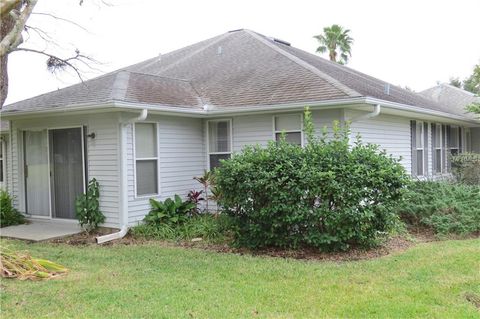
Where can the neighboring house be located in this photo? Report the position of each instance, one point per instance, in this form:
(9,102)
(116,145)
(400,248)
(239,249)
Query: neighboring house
(455,98)
(146,130)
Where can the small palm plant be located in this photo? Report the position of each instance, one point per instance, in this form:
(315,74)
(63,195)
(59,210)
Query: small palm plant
(207,180)
(336,40)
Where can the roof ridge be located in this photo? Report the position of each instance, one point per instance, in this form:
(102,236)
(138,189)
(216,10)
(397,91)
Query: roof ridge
(120,85)
(358,73)
(350,92)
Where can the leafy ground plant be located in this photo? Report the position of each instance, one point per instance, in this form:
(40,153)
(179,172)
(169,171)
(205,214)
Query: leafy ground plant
(87,207)
(169,212)
(466,168)
(446,208)
(8,214)
(210,228)
(22,266)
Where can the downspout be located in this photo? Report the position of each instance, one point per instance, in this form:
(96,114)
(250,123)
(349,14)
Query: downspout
(123,180)
(375,113)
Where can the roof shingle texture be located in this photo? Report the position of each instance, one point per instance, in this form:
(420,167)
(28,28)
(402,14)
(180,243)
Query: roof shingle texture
(234,69)
(451,97)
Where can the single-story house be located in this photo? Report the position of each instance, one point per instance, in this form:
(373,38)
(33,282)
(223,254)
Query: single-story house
(146,130)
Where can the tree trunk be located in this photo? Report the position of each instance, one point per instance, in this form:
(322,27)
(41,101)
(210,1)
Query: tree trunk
(333,56)
(6,26)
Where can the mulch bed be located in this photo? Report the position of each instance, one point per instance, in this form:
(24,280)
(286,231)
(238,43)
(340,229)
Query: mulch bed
(394,244)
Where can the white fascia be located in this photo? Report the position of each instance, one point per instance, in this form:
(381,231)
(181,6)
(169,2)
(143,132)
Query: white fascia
(236,110)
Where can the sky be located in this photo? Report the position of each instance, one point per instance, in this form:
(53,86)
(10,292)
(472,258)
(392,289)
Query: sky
(408,43)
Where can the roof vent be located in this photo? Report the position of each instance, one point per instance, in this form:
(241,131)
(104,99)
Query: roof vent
(386,88)
(236,30)
(281,41)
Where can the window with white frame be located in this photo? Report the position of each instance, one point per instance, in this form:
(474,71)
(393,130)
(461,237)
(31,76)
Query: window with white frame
(2,161)
(146,159)
(454,140)
(291,126)
(438,165)
(419,140)
(219,141)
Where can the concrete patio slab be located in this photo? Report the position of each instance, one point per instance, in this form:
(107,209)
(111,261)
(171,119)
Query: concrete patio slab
(38,230)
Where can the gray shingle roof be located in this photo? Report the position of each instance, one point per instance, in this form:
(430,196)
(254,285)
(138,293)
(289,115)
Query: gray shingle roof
(451,97)
(240,68)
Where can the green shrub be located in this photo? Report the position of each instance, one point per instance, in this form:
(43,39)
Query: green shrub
(208,227)
(466,168)
(8,214)
(169,212)
(87,207)
(328,195)
(444,207)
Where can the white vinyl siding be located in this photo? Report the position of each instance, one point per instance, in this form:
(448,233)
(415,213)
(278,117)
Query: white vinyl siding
(251,130)
(391,133)
(259,129)
(181,154)
(102,157)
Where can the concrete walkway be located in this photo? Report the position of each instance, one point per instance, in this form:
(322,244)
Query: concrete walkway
(38,230)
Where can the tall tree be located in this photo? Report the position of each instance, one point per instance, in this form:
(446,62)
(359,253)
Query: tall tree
(455,82)
(337,41)
(14,15)
(472,83)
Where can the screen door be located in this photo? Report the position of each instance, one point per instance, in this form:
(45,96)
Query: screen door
(66,160)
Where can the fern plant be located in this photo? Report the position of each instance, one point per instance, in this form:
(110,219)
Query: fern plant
(87,207)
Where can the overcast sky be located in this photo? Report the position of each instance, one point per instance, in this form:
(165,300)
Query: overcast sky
(408,43)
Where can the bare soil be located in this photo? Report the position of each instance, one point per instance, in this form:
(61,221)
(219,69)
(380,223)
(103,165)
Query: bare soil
(394,244)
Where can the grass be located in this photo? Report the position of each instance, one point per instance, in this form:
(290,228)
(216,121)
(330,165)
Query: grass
(429,280)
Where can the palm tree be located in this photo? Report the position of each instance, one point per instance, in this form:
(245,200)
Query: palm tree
(336,41)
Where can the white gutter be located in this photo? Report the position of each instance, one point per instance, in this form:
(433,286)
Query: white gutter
(123,179)
(219,110)
(375,113)
(416,109)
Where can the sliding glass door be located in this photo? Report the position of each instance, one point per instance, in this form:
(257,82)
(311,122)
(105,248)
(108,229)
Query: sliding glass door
(36,173)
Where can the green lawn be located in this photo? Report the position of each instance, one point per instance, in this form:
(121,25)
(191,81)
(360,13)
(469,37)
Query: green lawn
(147,281)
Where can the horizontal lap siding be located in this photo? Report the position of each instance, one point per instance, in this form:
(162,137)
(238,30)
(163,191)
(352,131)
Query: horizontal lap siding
(181,155)
(252,130)
(324,119)
(103,164)
(102,156)
(391,133)
(258,129)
